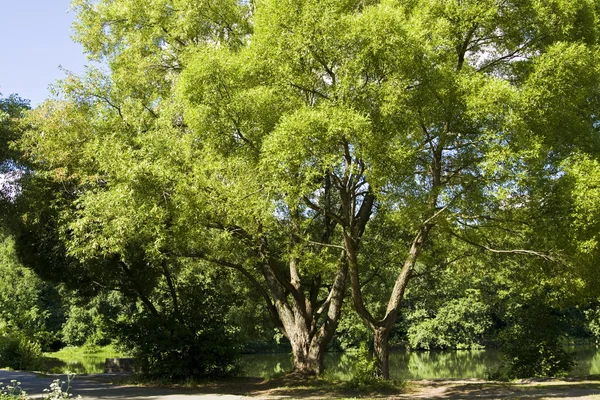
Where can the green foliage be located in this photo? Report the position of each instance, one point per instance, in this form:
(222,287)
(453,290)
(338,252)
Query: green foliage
(87,320)
(28,306)
(533,345)
(459,324)
(78,327)
(12,111)
(364,373)
(196,340)
(593,320)
(351,333)
(166,349)
(19,353)
(291,140)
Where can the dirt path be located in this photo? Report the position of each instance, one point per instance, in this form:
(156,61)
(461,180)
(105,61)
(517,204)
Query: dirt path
(279,389)
(285,388)
(529,389)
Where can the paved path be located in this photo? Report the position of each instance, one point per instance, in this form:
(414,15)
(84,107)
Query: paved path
(35,384)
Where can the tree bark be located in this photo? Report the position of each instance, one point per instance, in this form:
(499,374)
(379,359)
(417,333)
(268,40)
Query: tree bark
(308,328)
(308,337)
(381,352)
(308,354)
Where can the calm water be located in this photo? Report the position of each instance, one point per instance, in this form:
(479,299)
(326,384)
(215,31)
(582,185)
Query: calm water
(404,365)
(77,363)
(417,365)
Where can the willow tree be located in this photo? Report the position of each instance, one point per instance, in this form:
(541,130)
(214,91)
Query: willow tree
(447,117)
(264,136)
(493,96)
(134,182)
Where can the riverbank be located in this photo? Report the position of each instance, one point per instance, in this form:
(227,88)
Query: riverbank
(103,386)
(287,387)
(404,365)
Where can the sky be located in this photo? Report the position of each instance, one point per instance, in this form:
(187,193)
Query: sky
(35,40)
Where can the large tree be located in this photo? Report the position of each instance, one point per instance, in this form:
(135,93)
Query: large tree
(267,136)
(447,118)
(127,191)
(494,96)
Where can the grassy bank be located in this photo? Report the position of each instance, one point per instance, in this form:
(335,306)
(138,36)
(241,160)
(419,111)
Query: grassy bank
(80,360)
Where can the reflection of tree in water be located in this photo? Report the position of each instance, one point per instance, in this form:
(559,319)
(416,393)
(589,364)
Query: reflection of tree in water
(403,365)
(340,365)
(587,360)
(594,367)
(442,364)
(421,365)
(80,365)
(266,365)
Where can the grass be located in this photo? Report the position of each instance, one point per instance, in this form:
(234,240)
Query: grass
(81,360)
(82,351)
(291,386)
(286,385)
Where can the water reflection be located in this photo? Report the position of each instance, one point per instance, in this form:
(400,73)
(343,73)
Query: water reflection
(416,365)
(88,364)
(403,364)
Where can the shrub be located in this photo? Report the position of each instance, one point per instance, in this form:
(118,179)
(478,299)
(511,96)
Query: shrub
(17,352)
(532,345)
(366,375)
(197,340)
(458,324)
(168,349)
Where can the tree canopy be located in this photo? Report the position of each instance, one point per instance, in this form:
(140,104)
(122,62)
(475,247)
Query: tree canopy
(304,144)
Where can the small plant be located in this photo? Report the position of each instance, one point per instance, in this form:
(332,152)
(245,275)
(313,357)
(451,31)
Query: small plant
(56,392)
(366,376)
(12,391)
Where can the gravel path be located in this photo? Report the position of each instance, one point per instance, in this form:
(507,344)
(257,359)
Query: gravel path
(34,385)
(97,388)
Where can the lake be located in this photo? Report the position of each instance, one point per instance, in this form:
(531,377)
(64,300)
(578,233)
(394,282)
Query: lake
(403,364)
(417,364)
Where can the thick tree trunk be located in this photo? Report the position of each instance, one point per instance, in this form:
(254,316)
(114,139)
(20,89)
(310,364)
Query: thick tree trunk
(381,352)
(308,354)
(310,332)
(308,328)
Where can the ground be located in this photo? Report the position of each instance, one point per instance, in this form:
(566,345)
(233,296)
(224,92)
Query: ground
(279,389)
(284,388)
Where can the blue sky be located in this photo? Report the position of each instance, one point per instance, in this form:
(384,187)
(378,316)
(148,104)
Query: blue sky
(35,39)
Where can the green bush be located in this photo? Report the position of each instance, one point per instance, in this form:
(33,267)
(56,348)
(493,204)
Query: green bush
(458,324)
(168,349)
(17,352)
(194,341)
(533,345)
(366,375)
(78,327)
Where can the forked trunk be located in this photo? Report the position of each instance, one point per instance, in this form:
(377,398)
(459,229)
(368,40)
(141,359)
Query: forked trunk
(308,328)
(308,356)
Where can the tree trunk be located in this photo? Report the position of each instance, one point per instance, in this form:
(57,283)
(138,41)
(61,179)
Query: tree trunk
(308,355)
(309,329)
(381,352)
(310,332)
